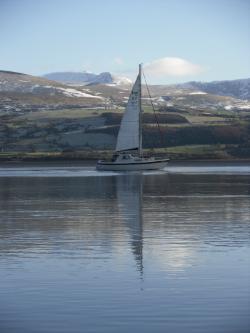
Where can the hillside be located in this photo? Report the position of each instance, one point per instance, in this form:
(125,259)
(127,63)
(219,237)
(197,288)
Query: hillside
(234,88)
(21,92)
(38,115)
(239,89)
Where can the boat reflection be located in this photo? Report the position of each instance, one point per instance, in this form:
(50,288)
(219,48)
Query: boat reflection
(129,195)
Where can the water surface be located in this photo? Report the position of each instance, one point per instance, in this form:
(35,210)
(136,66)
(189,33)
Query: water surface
(87,251)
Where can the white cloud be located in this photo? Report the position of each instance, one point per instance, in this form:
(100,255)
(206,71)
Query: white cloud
(118,60)
(171,66)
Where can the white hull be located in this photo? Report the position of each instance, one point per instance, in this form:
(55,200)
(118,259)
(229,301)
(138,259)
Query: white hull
(150,164)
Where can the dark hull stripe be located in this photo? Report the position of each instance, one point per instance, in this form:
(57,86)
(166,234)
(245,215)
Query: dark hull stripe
(136,163)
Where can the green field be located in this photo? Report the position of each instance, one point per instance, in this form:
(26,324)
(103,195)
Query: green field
(189,152)
(187,134)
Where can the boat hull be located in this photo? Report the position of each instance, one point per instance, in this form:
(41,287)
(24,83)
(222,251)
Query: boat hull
(132,166)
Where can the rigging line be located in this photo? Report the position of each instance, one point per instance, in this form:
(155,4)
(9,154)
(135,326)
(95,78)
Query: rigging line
(156,118)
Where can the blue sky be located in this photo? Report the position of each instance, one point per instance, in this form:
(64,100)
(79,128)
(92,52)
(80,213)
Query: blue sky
(177,40)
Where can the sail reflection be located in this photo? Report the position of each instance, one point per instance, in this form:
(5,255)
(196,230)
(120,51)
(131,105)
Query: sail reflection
(129,196)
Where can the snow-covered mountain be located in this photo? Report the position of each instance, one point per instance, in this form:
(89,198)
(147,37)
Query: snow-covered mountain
(102,78)
(27,92)
(22,92)
(234,88)
(23,83)
(121,80)
(87,78)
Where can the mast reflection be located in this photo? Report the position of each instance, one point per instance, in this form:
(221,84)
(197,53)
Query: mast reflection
(129,195)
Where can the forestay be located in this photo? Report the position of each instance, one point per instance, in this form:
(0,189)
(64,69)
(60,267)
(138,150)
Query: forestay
(128,136)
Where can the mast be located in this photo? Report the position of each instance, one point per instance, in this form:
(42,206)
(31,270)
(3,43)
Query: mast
(130,132)
(140,114)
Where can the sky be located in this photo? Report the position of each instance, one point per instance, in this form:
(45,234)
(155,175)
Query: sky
(176,40)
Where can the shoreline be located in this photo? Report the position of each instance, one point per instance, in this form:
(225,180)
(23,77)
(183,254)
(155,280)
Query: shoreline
(92,162)
(197,153)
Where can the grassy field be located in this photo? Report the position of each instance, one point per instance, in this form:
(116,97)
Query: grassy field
(63,113)
(74,114)
(207,135)
(190,152)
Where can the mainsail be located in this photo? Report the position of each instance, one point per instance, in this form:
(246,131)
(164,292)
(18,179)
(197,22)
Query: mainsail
(129,133)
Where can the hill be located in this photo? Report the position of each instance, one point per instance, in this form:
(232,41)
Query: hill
(38,115)
(23,93)
(239,89)
(234,88)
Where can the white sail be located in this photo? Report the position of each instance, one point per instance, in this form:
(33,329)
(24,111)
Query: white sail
(128,136)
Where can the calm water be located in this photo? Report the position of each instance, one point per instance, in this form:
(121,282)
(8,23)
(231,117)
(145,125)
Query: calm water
(86,251)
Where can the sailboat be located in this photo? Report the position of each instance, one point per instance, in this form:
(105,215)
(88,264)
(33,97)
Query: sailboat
(128,155)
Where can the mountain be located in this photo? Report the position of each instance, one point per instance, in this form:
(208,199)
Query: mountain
(102,78)
(234,88)
(77,78)
(87,78)
(22,92)
(24,83)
